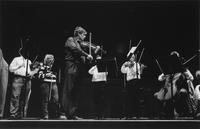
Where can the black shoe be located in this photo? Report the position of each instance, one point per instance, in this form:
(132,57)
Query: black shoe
(46,117)
(14,118)
(100,118)
(75,118)
(123,118)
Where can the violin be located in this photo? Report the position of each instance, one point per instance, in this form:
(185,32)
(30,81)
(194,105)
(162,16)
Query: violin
(93,46)
(40,66)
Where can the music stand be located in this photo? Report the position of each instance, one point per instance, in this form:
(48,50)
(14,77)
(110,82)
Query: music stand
(108,65)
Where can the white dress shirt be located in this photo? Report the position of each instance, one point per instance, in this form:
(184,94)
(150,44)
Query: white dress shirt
(18,66)
(132,71)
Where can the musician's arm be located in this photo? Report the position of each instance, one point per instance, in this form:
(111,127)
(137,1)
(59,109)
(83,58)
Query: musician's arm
(73,47)
(161,77)
(142,66)
(188,75)
(14,65)
(124,67)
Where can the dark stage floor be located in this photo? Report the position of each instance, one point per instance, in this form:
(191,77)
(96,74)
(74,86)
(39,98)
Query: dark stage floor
(98,124)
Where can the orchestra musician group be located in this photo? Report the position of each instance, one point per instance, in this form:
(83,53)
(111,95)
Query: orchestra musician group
(179,97)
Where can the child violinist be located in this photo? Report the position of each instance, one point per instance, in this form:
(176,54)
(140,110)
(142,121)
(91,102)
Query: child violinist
(48,86)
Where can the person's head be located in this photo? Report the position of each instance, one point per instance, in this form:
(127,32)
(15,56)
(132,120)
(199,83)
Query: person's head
(49,60)
(197,74)
(176,62)
(175,53)
(80,32)
(132,59)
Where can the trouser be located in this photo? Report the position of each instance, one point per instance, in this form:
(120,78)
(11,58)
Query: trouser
(183,105)
(132,99)
(49,94)
(3,89)
(99,98)
(178,105)
(21,89)
(71,87)
(167,109)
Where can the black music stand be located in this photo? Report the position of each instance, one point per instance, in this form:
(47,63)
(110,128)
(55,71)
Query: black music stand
(109,65)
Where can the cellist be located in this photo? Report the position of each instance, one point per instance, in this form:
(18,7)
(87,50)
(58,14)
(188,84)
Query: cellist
(177,90)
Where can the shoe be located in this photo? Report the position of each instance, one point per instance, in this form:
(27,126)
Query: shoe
(100,118)
(46,117)
(75,118)
(15,117)
(123,118)
(62,117)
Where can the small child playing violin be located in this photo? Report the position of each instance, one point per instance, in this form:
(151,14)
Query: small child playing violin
(48,86)
(133,71)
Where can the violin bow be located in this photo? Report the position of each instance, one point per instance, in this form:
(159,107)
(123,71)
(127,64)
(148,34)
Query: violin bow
(90,41)
(130,45)
(159,66)
(141,55)
(21,47)
(191,58)
(138,44)
(102,51)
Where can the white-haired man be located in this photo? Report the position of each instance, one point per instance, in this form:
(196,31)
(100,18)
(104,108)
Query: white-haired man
(74,55)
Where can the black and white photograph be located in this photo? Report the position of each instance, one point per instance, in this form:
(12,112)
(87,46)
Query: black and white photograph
(99,64)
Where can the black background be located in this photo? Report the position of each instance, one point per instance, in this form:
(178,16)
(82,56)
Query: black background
(162,26)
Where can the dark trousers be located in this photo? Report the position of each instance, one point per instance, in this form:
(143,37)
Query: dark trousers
(132,99)
(180,103)
(71,95)
(99,98)
(48,89)
(184,104)
(21,89)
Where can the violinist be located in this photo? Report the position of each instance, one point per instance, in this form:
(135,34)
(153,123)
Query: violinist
(74,57)
(22,72)
(133,71)
(48,87)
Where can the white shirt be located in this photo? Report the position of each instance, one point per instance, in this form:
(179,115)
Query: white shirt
(197,92)
(97,76)
(19,66)
(131,71)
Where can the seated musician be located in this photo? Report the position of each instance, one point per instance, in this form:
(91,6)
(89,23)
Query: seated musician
(180,84)
(99,80)
(133,71)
